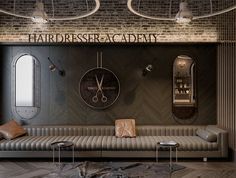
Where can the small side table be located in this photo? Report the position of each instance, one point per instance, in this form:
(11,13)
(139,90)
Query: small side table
(169,145)
(60,145)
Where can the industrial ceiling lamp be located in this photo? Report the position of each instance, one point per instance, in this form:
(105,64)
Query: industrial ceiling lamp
(184,15)
(39,15)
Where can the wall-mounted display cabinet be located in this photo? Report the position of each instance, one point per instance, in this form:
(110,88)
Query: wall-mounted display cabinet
(184,87)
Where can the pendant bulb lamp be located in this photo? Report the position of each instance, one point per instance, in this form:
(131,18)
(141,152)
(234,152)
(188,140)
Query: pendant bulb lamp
(184,15)
(39,15)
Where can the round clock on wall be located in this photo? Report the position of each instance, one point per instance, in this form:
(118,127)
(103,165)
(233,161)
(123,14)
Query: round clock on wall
(99,88)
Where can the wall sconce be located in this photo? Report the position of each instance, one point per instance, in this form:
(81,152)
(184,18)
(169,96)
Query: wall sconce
(147,69)
(53,68)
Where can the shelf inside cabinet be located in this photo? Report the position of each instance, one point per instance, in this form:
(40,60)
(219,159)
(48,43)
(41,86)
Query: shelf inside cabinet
(184,88)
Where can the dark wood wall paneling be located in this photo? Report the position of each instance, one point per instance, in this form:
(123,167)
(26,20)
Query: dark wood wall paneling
(226,79)
(148,99)
(1,82)
(226,92)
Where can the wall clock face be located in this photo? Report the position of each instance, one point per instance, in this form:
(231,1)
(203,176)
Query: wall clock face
(99,88)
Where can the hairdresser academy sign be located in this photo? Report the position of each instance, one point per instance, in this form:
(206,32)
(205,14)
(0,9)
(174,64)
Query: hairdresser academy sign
(92,38)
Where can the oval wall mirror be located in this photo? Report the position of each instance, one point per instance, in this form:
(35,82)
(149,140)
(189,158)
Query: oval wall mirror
(25,86)
(184,88)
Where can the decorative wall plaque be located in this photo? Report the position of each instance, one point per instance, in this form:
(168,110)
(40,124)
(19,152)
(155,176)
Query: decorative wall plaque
(99,87)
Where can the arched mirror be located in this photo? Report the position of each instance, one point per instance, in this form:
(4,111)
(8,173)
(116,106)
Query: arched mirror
(25,86)
(184,87)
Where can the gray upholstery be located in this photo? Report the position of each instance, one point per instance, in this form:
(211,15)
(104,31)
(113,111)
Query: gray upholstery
(102,139)
(54,130)
(206,135)
(43,142)
(190,143)
(110,130)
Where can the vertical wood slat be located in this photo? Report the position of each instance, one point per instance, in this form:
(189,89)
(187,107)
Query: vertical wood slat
(226,75)
(234,74)
(226,92)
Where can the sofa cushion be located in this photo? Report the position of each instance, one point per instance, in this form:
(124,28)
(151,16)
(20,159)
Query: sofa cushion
(206,135)
(137,143)
(189,143)
(125,128)
(43,143)
(11,130)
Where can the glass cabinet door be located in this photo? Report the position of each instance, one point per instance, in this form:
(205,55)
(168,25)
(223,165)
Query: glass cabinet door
(184,87)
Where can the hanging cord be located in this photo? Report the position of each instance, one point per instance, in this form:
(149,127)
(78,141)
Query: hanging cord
(14,11)
(53,10)
(211,6)
(99,60)
(14,7)
(87,5)
(170,8)
(139,3)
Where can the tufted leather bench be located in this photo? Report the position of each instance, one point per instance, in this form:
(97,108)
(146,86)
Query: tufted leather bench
(99,141)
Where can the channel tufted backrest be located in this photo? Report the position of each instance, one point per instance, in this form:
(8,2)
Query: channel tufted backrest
(70,130)
(172,130)
(98,130)
(110,130)
(150,130)
(54,130)
(182,130)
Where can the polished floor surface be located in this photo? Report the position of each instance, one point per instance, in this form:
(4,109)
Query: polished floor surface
(36,169)
(206,170)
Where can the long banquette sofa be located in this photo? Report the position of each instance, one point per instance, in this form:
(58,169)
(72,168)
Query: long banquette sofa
(100,141)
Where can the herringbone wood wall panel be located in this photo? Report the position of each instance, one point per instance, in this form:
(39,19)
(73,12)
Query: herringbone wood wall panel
(147,99)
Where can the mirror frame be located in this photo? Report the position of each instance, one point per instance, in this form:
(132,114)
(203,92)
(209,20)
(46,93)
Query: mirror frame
(184,87)
(26,112)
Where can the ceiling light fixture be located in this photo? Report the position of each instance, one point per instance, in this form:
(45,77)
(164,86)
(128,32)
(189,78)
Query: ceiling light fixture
(40,16)
(183,16)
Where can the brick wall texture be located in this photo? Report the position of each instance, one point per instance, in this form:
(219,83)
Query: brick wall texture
(113,17)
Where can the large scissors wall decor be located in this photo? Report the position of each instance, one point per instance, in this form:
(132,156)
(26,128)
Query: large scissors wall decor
(103,97)
(99,87)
